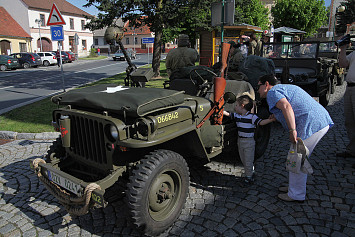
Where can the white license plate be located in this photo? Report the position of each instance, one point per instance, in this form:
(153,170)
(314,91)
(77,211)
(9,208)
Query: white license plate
(63,182)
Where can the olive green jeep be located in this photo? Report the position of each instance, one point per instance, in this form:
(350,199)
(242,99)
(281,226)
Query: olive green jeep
(143,138)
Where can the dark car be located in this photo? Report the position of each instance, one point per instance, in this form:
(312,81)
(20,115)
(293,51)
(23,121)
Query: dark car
(8,62)
(65,57)
(71,56)
(120,56)
(28,60)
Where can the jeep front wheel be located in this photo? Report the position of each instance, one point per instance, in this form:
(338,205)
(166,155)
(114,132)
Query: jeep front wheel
(157,191)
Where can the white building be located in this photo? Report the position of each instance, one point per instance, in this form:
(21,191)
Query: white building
(27,13)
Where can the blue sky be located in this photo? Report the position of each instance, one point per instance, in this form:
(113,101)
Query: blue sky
(94,11)
(80,3)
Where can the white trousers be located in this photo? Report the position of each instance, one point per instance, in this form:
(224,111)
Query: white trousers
(246,148)
(297,182)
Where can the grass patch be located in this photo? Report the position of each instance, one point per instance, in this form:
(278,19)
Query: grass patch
(37,117)
(93,58)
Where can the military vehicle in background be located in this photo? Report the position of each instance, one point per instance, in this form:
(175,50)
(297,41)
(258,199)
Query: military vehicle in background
(142,137)
(311,65)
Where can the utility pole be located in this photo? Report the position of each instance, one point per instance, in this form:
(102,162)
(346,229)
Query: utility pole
(39,22)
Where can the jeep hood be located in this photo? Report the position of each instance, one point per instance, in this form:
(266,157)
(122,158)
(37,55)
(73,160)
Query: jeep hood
(113,98)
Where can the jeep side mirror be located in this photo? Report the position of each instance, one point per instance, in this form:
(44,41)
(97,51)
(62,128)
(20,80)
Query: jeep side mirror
(229,97)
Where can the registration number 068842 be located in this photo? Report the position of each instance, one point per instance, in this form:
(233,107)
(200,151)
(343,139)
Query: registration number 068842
(64,183)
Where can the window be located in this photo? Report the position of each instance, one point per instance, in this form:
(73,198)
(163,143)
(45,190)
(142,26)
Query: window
(83,42)
(127,40)
(48,54)
(96,41)
(43,20)
(23,47)
(82,25)
(71,23)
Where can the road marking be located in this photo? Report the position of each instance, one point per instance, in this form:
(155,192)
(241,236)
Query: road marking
(66,73)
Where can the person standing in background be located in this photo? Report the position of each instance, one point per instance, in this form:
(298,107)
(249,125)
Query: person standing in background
(349,99)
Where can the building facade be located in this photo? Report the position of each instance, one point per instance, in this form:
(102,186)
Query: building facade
(13,38)
(32,16)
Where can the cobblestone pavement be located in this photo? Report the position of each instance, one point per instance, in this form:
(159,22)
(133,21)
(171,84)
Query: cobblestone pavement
(216,206)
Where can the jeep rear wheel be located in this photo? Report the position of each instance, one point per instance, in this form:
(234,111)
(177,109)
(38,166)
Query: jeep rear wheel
(325,98)
(262,133)
(2,68)
(157,191)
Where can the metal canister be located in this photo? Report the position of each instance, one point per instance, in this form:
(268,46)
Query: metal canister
(64,123)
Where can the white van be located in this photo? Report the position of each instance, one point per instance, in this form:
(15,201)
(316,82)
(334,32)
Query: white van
(48,58)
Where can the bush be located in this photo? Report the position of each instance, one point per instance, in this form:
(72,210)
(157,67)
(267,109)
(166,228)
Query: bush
(92,53)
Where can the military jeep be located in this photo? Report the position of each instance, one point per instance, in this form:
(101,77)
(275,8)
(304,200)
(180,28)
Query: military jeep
(306,64)
(144,135)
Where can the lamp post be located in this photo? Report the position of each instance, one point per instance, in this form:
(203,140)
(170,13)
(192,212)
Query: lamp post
(134,38)
(337,10)
(39,21)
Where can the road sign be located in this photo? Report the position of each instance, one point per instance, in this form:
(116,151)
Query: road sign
(57,33)
(148,40)
(55,17)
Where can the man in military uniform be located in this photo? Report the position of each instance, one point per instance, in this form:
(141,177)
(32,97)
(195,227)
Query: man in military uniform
(266,50)
(254,47)
(182,56)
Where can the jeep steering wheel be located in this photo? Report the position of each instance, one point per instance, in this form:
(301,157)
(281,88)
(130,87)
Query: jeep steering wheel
(205,85)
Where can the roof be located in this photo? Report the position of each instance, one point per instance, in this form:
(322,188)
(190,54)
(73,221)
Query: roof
(9,27)
(64,7)
(142,30)
(288,30)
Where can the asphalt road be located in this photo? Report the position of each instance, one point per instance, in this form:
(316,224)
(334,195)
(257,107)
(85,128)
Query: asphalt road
(24,86)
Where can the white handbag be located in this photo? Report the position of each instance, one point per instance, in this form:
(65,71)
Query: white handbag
(297,158)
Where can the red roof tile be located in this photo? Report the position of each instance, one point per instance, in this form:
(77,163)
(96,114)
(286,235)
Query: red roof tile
(64,7)
(9,27)
(143,30)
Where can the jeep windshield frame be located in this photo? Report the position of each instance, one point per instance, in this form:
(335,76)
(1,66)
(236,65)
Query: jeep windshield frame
(291,50)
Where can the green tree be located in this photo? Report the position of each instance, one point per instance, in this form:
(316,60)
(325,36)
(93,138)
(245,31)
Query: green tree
(306,15)
(158,15)
(252,12)
(346,17)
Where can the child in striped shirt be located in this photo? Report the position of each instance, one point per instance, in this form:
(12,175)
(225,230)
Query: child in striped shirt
(246,123)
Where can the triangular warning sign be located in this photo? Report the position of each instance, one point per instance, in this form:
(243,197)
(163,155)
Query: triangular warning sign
(55,17)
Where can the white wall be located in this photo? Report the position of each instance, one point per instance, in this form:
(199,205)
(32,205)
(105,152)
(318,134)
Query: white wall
(45,32)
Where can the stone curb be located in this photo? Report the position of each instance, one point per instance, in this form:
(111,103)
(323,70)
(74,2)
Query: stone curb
(28,136)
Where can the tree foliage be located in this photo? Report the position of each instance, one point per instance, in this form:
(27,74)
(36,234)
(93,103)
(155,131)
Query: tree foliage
(306,15)
(346,17)
(161,16)
(252,12)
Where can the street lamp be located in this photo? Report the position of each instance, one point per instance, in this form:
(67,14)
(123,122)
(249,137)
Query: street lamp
(134,38)
(39,22)
(339,9)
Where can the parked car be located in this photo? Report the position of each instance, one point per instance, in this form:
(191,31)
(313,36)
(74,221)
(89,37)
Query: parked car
(8,62)
(28,60)
(71,56)
(48,58)
(65,57)
(120,56)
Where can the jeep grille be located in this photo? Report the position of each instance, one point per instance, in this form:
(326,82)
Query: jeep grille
(88,139)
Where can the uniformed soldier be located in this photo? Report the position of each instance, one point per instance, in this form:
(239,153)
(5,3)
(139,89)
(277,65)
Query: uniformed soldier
(182,56)
(254,45)
(265,48)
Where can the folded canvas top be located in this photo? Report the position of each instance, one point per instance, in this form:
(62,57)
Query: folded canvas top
(113,98)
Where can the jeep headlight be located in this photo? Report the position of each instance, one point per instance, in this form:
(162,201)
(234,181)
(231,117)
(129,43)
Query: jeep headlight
(146,126)
(114,132)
